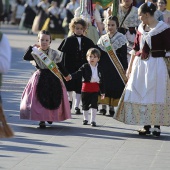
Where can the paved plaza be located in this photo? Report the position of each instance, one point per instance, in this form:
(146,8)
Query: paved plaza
(69,145)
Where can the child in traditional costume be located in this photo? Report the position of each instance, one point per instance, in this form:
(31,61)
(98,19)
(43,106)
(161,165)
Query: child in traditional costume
(114,63)
(74,49)
(45,97)
(93,82)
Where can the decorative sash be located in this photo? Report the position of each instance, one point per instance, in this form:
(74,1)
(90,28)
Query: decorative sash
(47,61)
(114,59)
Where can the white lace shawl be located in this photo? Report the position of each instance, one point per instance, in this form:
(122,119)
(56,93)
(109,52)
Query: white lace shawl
(131,20)
(117,41)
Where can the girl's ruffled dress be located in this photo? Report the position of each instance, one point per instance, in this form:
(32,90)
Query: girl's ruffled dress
(45,97)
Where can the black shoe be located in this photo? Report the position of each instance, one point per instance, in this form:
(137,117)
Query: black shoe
(42,124)
(111,112)
(50,122)
(77,111)
(102,111)
(143,131)
(93,124)
(85,122)
(156,132)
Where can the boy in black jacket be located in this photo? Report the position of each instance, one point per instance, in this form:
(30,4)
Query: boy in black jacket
(92,83)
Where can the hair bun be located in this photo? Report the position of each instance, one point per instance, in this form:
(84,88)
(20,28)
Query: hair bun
(151,6)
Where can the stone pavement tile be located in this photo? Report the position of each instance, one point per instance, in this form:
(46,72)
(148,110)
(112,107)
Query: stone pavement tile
(160,162)
(130,162)
(36,167)
(7,164)
(89,161)
(157,168)
(80,168)
(35,161)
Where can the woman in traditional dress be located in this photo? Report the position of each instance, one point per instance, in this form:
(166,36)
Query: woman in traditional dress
(41,16)
(45,97)
(113,79)
(162,7)
(54,23)
(146,99)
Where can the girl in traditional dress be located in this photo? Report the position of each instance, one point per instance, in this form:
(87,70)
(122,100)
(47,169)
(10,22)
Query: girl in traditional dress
(74,49)
(54,23)
(45,97)
(114,84)
(128,21)
(41,16)
(146,99)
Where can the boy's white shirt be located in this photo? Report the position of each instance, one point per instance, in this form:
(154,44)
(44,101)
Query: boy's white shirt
(94,77)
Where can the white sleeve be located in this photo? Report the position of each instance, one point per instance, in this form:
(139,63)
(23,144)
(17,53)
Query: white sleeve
(5,54)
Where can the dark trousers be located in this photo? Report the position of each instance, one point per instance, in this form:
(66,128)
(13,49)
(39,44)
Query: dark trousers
(89,100)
